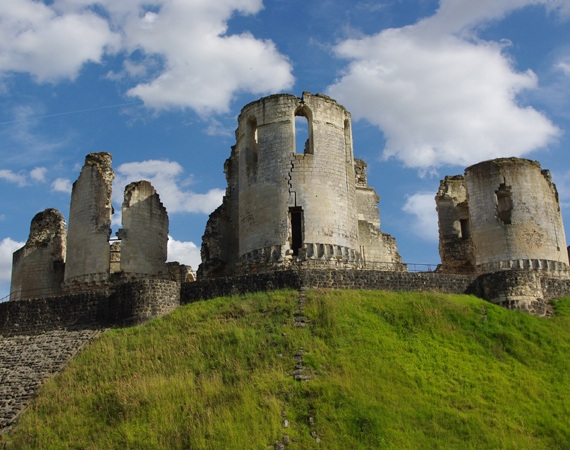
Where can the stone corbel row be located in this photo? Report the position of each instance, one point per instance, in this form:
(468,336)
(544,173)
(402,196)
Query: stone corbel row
(557,267)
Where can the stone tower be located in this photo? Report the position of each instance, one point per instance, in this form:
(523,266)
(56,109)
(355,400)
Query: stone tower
(290,202)
(503,214)
(89,228)
(38,267)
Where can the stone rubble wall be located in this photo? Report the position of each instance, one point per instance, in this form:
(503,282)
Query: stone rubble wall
(131,303)
(27,361)
(326,279)
(456,247)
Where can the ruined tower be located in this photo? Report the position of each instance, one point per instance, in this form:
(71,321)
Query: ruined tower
(288,201)
(144,236)
(503,214)
(37,268)
(88,252)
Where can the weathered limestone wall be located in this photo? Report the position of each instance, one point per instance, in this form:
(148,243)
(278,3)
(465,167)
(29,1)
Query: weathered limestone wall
(265,143)
(220,242)
(455,241)
(366,197)
(38,267)
(286,206)
(378,250)
(144,236)
(515,216)
(88,252)
(273,178)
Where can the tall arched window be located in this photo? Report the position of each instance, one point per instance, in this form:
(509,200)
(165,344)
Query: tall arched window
(303,131)
(251,145)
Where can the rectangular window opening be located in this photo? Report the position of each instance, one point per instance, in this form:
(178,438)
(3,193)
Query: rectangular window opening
(296,215)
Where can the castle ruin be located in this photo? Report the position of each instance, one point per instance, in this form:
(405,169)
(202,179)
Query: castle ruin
(83,258)
(294,218)
(286,206)
(503,214)
(299,210)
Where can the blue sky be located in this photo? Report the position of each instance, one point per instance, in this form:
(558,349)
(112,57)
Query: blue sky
(432,87)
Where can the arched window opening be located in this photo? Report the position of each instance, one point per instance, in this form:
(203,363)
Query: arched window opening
(504,203)
(303,131)
(252,146)
(296,220)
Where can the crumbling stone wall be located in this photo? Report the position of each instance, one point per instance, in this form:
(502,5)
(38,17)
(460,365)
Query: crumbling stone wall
(88,252)
(144,236)
(503,214)
(38,267)
(377,249)
(515,216)
(455,242)
(286,206)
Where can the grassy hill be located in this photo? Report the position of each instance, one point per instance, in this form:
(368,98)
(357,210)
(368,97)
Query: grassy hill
(387,370)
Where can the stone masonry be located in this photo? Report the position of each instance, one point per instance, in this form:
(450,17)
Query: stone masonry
(94,261)
(88,252)
(289,206)
(503,214)
(38,267)
(144,236)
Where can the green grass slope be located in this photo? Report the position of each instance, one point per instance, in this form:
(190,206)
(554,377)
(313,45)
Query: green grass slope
(388,371)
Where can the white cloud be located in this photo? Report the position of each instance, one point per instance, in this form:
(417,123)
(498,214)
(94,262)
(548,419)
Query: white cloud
(50,44)
(165,178)
(564,67)
(422,206)
(62,185)
(18,178)
(188,59)
(184,252)
(38,174)
(440,94)
(7,248)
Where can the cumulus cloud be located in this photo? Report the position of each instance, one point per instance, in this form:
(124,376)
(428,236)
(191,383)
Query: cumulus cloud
(50,44)
(62,185)
(188,59)
(184,252)
(165,176)
(38,174)
(7,248)
(440,94)
(422,206)
(17,178)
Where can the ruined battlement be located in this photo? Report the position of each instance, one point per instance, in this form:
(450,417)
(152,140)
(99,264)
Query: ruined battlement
(83,259)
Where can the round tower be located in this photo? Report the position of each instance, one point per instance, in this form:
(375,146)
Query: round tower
(515,216)
(296,198)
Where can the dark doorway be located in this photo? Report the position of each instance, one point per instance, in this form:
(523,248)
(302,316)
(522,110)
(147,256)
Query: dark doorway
(296,215)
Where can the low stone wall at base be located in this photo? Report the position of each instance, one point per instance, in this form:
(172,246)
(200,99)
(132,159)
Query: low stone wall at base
(137,302)
(326,279)
(130,304)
